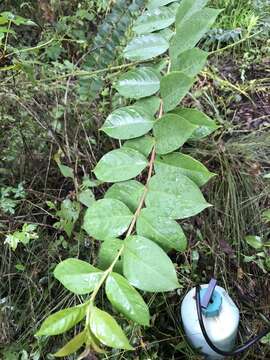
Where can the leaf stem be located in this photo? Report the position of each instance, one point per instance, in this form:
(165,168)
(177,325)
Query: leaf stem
(129,231)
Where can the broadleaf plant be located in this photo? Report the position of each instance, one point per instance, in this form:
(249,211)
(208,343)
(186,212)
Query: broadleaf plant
(152,184)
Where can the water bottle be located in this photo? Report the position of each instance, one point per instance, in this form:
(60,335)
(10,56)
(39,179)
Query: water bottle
(220,317)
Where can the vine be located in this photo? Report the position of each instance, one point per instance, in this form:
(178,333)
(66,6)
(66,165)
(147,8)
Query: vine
(136,221)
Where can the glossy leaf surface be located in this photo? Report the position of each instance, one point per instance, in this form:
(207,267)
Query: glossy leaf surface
(86,197)
(150,104)
(190,62)
(205,125)
(187,8)
(142,144)
(175,196)
(186,165)
(120,165)
(164,231)
(147,266)
(189,32)
(173,88)
(107,218)
(153,4)
(128,123)
(128,192)
(62,320)
(155,19)
(146,47)
(72,346)
(138,83)
(107,253)
(171,132)
(77,276)
(126,299)
(107,331)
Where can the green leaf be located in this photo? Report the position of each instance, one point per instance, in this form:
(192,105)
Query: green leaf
(128,192)
(62,321)
(128,123)
(175,196)
(147,266)
(68,214)
(153,4)
(142,144)
(150,104)
(156,19)
(254,241)
(72,346)
(171,131)
(86,197)
(126,299)
(187,8)
(107,218)
(205,125)
(138,83)
(167,34)
(77,276)
(190,31)
(164,231)
(108,252)
(266,215)
(120,165)
(173,88)
(190,62)
(107,331)
(146,47)
(186,165)
(66,171)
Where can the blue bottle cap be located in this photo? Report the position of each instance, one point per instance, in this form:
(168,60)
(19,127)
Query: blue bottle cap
(214,305)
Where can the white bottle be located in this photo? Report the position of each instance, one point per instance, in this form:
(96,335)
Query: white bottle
(221,320)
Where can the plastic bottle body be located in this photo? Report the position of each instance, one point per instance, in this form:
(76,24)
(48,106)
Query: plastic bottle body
(222,329)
